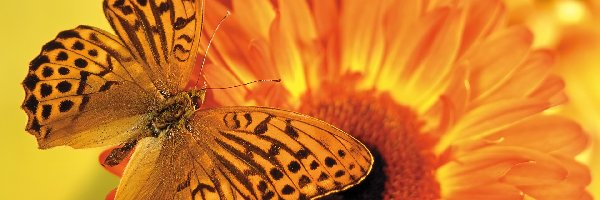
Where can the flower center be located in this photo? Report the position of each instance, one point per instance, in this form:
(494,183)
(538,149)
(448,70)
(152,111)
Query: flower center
(404,162)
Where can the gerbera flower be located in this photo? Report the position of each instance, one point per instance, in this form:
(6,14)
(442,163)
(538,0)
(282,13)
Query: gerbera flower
(453,103)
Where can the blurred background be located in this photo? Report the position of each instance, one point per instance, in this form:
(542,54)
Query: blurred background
(571,27)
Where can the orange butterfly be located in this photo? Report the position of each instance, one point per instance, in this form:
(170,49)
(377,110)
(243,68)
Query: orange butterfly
(89,88)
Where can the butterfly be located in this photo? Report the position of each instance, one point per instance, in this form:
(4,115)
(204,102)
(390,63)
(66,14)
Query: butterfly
(90,88)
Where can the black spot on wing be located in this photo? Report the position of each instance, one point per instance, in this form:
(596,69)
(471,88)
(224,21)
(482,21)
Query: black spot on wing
(313,165)
(31,104)
(45,90)
(290,130)
(302,154)
(46,111)
(78,46)
(64,86)
(65,105)
(330,162)
(37,61)
(294,166)
(164,7)
(262,186)
(181,22)
(31,81)
(62,56)
(81,63)
(93,52)
(63,71)
(274,150)
(262,127)
(52,45)
(323,176)
(287,190)
(248,118)
(35,125)
(276,174)
(339,173)
(341,153)
(303,181)
(47,72)
(68,34)
(142,2)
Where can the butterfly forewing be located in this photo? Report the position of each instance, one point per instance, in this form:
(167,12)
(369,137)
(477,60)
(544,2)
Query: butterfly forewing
(163,34)
(74,91)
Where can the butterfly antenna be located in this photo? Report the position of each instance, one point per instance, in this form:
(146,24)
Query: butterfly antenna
(248,83)
(212,37)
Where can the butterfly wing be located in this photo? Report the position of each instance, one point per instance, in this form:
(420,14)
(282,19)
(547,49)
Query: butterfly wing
(75,90)
(164,34)
(247,153)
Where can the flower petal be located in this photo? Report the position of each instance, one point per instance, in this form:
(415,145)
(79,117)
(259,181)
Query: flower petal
(111,194)
(526,78)
(362,38)
(558,191)
(496,58)
(497,191)
(491,117)
(483,18)
(494,164)
(553,89)
(549,134)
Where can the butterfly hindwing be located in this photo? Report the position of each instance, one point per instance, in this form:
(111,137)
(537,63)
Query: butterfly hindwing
(73,89)
(164,34)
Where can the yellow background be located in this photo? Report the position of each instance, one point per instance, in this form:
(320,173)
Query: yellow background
(25,171)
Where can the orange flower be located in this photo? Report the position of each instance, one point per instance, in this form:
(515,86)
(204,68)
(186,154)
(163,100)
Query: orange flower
(456,104)
(452,103)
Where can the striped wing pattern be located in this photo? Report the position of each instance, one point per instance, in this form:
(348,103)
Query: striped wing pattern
(163,34)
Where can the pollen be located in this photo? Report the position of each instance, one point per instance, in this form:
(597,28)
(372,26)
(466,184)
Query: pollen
(404,161)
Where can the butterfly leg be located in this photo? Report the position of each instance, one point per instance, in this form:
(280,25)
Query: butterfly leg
(119,154)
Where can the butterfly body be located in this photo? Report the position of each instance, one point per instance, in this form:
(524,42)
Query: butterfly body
(175,111)
(90,88)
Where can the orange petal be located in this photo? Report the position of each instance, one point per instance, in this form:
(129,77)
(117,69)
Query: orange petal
(558,191)
(535,173)
(291,58)
(433,73)
(260,12)
(496,191)
(550,134)
(111,194)
(501,164)
(404,53)
(483,18)
(326,14)
(494,60)
(579,174)
(117,169)
(553,89)
(219,76)
(525,79)
(492,117)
